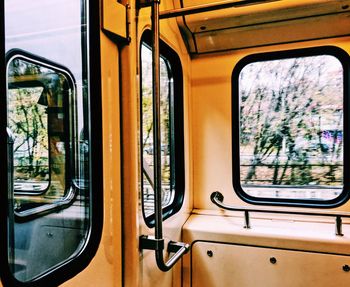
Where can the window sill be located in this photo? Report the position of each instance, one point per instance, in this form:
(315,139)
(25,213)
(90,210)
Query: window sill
(298,233)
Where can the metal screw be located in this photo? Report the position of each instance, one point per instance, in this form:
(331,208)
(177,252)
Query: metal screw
(210,253)
(273,260)
(346,268)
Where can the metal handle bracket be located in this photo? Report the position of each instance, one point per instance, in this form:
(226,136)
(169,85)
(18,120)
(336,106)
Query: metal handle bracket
(151,243)
(174,246)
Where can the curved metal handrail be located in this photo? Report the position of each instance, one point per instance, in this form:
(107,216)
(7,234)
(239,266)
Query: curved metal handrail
(151,243)
(182,249)
(217,198)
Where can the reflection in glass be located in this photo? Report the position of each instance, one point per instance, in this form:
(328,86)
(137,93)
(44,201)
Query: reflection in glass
(36,117)
(28,123)
(147,132)
(291,128)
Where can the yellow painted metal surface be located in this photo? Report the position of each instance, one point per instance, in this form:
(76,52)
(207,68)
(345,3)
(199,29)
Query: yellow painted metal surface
(129,114)
(211,119)
(106,267)
(217,265)
(259,13)
(284,233)
(298,234)
(264,24)
(114,18)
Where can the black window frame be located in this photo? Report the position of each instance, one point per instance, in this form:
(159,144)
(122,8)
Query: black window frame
(176,142)
(344,59)
(75,265)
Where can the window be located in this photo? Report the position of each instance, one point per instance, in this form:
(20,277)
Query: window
(38,113)
(54,201)
(289,130)
(41,100)
(171,124)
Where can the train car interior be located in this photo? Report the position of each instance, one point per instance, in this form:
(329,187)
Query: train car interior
(175,143)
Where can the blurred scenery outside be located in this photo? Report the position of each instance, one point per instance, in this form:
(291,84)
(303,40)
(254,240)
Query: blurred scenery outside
(291,128)
(147,132)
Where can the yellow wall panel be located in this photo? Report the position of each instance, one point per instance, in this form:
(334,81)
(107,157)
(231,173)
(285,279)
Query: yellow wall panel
(217,265)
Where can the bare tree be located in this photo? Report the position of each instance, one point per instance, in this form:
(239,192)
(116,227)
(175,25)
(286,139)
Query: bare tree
(28,120)
(286,106)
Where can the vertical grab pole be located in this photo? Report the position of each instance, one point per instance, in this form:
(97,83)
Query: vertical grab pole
(10,195)
(157,244)
(156,123)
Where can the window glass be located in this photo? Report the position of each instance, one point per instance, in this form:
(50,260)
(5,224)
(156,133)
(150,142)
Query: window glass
(147,132)
(291,128)
(37,110)
(48,118)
